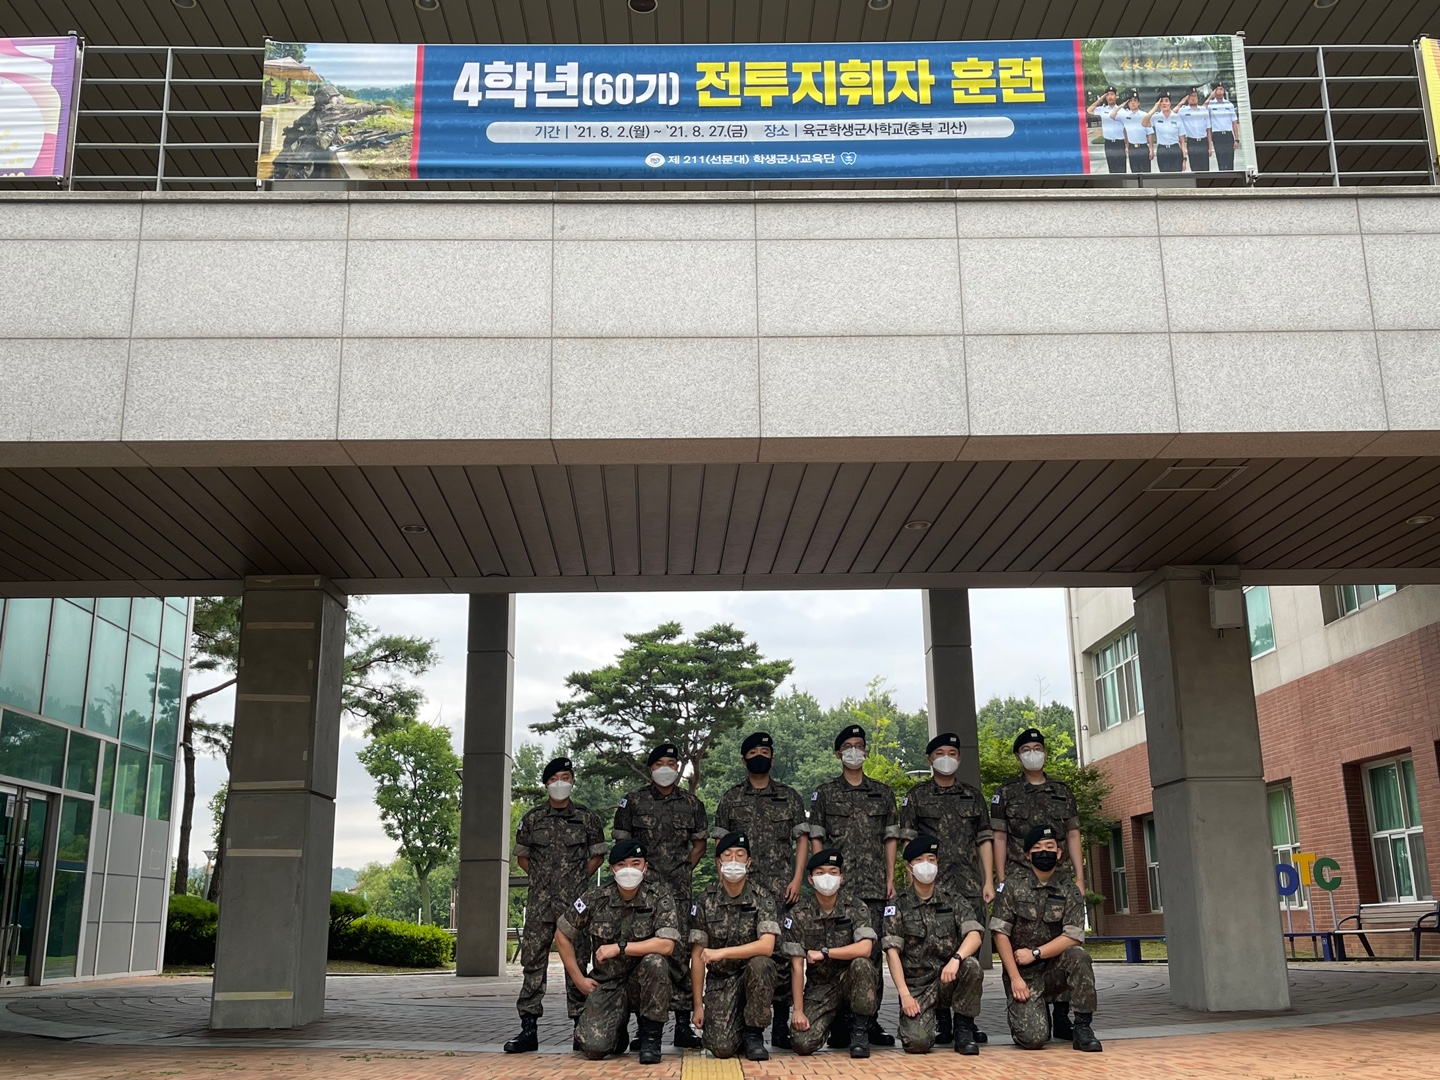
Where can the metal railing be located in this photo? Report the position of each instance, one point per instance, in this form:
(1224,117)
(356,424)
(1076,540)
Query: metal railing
(170,118)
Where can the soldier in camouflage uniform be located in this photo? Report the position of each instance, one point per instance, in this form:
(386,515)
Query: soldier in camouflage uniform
(931,938)
(1039,925)
(829,940)
(734,925)
(673,825)
(953,812)
(772,815)
(856,815)
(1029,800)
(634,927)
(559,845)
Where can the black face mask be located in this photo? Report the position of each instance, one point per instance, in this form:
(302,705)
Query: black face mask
(1044,860)
(759,764)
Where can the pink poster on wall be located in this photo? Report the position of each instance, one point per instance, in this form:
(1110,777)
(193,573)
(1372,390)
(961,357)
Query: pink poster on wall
(37,88)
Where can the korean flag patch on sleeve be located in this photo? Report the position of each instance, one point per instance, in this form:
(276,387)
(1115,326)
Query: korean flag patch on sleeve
(580,905)
(789,922)
(889,910)
(905,801)
(814,795)
(624,802)
(994,800)
(694,908)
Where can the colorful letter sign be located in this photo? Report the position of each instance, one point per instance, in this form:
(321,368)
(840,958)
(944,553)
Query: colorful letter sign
(37,89)
(1307,869)
(753,112)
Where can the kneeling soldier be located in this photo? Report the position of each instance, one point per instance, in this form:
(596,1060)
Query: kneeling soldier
(829,939)
(930,943)
(1039,923)
(733,930)
(634,928)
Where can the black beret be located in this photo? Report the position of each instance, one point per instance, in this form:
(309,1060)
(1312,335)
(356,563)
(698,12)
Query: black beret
(663,750)
(922,845)
(560,764)
(854,731)
(1038,833)
(1028,735)
(626,849)
(1131,94)
(1163,94)
(825,857)
(754,739)
(945,738)
(1110,90)
(732,839)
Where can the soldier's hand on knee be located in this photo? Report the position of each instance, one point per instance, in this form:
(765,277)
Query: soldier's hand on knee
(586,985)
(909,1005)
(799,1021)
(951,971)
(1019,989)
(697,1018)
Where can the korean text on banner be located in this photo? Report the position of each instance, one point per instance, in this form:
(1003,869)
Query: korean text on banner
(37,90)
(751,112)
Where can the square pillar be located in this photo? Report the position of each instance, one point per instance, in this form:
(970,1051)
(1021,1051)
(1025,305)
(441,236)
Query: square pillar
(484,891)
(1222,914)
(950,674)
(280,824)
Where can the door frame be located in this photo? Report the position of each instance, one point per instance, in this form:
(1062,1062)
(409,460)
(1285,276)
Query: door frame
(34,971)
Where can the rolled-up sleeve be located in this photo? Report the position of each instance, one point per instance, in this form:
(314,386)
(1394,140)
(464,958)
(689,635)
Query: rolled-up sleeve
(1076,932)
(699,937)
(1001,918)
(790,939)
(894,937)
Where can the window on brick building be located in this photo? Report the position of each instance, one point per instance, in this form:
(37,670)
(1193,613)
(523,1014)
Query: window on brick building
(1396,835)
(1337,601)
(1117,680)
(1259,620)
(1285,839)
(1152,864)
(1119,887)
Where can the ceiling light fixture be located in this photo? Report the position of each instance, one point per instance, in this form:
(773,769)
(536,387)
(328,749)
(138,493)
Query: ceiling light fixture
(414,530)
(1322,5)
(184,5)
(1420,519)
(642,7)
(918,525)
(879,5)
(428,5)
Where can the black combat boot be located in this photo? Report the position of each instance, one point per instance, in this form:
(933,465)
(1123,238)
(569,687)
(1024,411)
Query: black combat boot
(753,1043)
(965,1042)
(839,1032)
(575,1037)
(685,1037)
(980,1036)
(622,1038)
(1084,1037)
(1060,1027)
(944,1032)
(877,1034)
(860,1036)
(528,1041)
(651,1032)
(780,1029)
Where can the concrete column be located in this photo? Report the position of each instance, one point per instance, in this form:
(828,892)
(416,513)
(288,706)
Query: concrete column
(280,824)
(950,673)
(485,798)
(1222,917)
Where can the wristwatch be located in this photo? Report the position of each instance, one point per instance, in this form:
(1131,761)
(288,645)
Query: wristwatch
(1035,953)
(825,951)
(622,945)
(957,956)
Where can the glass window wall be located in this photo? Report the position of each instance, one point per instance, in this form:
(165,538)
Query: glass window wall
(69,654)
(31,749)
(107,678)
(138,713)
(22,652)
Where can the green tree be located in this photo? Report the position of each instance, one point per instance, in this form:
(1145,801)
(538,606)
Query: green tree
(1009,716)
(393,892)
(529,763)
(417,791)
(665,687)
(379,694)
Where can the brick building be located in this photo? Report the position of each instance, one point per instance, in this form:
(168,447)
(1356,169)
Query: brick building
(1347,690)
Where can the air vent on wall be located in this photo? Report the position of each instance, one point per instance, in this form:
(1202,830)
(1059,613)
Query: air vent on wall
(1197,478)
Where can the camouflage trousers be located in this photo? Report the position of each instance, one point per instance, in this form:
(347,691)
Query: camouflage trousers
(646,990)
(535,944)
(856,990)
(680,996)
(734,1000)
(917,1033)
(877,954)
(1067,977)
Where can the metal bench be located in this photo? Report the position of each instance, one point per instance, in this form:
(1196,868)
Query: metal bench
(1415,919)
(1131,942)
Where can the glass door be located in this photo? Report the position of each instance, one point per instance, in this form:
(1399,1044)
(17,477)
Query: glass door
(23,817)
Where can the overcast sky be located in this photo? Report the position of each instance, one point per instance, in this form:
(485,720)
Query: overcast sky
(838,641)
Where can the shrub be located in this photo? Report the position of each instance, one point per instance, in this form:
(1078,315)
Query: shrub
(190,931)
(345,908)
(397,944)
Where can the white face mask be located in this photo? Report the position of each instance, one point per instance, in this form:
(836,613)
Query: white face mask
(945,766)
(733,871)
(826,884)
(665,776)
(1032,760)
(559,789)
(924,872)
(853,757)
(627,877)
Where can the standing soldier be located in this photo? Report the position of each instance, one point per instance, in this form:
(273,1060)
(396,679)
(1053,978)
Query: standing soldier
(1224,128)
(1195,119)
(1039,925)
(733,929)
(855,815)
(633,924)
(559,845)
(930,942)
(829,940)
(1169,149)
(953,812)
(1035,799)
(772,815)
(1111,130)
(1137,135)
(673,825)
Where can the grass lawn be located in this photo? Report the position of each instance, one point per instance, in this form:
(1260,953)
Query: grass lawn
(1115,950)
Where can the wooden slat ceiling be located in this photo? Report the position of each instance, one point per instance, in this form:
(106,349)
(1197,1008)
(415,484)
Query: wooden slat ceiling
(556,527)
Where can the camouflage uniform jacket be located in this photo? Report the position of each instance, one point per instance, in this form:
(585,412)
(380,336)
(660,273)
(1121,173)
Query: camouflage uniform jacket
(1020,805)
(610,918)
(809,926)
(927,932)
(773,817)
(559,841)
(721,921)
(857,819)
(668,826)
(1030,913)
(956,816)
